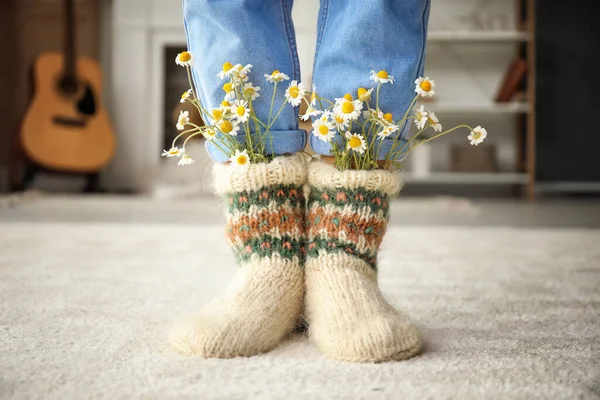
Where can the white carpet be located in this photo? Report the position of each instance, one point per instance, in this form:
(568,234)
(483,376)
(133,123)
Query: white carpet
(507,313)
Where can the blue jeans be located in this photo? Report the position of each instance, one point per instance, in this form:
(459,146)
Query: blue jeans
(353,38)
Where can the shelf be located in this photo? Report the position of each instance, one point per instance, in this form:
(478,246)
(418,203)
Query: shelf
(473,178)
(477,36)
(473,108)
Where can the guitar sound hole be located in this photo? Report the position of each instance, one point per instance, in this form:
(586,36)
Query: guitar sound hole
(68,85)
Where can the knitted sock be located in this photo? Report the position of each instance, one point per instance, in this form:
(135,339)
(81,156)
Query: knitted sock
(265,228)
(348,317)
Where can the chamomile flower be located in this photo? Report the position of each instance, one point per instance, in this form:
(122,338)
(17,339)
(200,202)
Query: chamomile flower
(355,142)
(477,135)
(434,122)
(251,92)
(228,127)
(424,87)
(240,110)
(228,71)
(277,76)
(364,94)
(229,91)
(217,113)
(182,120)
(421,117)
(240,159)
(186,160)
(313,95)
(372,114)
(381,77)
(323,129)
(340,123)
(310,112)
(185,59)
(387,131)
(295,93)
(209,134)
(186,95)
(225,106)
(347,107)
(172,152)
(387,118)
(242,72)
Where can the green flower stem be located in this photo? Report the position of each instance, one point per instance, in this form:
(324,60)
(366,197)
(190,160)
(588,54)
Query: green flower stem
(272,104)
(407,111)
(276,115)
(189,76)
(214,143)
(181,134)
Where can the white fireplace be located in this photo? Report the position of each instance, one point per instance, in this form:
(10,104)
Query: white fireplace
(136,34)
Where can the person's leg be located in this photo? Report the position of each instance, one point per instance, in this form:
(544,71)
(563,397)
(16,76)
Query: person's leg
(264,202)
(357,36)
(257,32)
(348,210)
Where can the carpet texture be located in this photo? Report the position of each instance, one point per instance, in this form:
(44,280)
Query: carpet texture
(506,313)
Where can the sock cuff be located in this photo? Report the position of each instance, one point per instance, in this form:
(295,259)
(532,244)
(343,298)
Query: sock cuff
(325,176)
(284,170)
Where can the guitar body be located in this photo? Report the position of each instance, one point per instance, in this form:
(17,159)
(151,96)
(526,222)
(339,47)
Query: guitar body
(66,128)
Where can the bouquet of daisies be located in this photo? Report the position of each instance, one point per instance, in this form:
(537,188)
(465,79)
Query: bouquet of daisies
(354,127)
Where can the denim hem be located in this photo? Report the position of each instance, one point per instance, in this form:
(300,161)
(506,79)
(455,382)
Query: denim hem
(284,142)
(320,147)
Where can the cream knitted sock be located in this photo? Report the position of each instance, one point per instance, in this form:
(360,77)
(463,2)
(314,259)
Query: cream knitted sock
(348,317)
(265,228)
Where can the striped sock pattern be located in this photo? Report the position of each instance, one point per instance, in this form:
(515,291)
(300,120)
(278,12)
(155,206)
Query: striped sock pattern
(347,218)
(265,228)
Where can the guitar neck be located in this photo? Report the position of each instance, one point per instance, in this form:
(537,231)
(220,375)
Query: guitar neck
(69,39)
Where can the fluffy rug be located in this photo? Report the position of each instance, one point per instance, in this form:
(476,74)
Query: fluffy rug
(507,313)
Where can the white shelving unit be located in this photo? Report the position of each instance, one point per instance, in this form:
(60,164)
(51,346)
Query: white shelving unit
(522,37)
(475,178)
(477,36)
(479,108)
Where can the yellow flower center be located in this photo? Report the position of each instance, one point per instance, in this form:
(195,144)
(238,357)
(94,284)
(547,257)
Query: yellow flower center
(339,118)
(388,117)
(313,97)
(323,130)
(241,160)
(173,151)
(211,132)
(226,127)
(382,74)
(241,110)
(347,107)
(431,121)
(426,86)
(185,56)
(227,66)
(294,91)
(476,135)
(184,95)
(348,97)
(249,91)
(418,116)
(355,142)
(361,93)
(228,87)
(225,103)
(276,72)
(182,120)
(217,113)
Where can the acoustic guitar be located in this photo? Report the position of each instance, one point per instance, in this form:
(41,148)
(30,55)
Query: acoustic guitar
(65,127)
